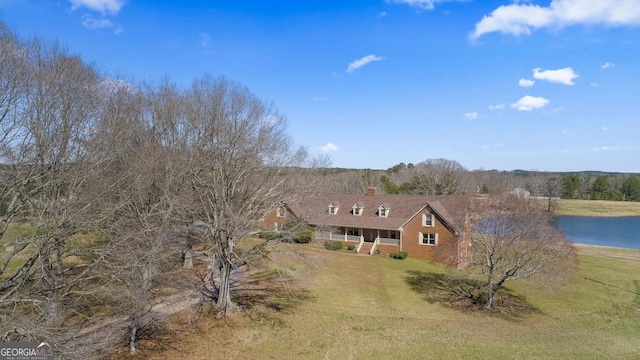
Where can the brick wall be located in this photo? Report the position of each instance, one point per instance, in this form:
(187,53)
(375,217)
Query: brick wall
(272,217)
(445,252)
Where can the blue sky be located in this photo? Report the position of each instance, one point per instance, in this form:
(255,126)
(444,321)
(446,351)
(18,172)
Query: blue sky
(534,85)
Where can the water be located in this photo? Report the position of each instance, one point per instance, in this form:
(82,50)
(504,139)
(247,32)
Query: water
(607,231)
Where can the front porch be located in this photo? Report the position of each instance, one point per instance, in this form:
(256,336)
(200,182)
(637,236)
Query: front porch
(367,239)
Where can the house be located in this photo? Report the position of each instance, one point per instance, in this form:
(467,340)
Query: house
(432,228)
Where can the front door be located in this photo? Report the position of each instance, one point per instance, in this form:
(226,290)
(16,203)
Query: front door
(370,235)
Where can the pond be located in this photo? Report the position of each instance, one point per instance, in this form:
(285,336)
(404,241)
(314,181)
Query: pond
(607,231)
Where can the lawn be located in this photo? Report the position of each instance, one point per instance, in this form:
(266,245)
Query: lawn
(365,307)
(597,208)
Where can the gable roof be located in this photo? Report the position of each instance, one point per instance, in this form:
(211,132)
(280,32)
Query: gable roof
(314,208)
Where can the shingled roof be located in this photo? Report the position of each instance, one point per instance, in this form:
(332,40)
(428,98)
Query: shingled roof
(314,208)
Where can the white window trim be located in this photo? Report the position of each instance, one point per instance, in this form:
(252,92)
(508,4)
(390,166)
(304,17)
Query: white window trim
(421,237)
(280,212)
(386,211)
(424,220)
(357,210)
(333,210)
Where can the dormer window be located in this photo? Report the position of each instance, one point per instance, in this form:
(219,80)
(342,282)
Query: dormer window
(383,211)
(357,210)
(333,209)
(280,212)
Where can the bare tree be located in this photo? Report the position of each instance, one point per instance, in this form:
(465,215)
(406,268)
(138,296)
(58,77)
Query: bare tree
(46,123)
(513,238)
(138,195)
(438,177)
(241,164)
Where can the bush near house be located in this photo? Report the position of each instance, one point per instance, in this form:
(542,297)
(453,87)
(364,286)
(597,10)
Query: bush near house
(399,255)
(304,236)
(333,245)
(269,235)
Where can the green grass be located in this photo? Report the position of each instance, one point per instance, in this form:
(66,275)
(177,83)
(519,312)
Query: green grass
(597,208)
(20,232)
(364,307)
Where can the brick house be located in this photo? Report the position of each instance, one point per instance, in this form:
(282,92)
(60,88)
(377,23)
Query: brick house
(432,228)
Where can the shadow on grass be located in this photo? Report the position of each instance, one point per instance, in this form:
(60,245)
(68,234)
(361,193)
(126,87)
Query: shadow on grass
(467,295)
(271,290)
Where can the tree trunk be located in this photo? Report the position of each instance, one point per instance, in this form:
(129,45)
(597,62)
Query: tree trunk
(490,298)
(187,256)
(225,305)
(134,332)
(491,291)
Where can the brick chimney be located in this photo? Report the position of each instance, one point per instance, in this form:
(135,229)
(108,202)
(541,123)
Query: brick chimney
(372,191)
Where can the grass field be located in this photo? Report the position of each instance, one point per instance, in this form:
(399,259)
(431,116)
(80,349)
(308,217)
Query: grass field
(344,306)
(597,208)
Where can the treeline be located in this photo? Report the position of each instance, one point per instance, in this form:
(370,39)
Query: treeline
(603,187)
(448,177)
(101,180)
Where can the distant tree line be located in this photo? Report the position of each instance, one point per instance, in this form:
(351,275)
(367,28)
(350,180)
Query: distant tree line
(603,187)
(448,177)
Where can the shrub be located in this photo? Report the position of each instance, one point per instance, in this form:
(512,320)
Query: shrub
(269,235)
(351,247)
(333,245)
(304,237)
(399,255)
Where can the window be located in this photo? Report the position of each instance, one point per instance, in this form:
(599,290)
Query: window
(277,226)
(353,231)
(428,220)
(333,209)
(383,211)
(280,212)
(428,239)
(357,210)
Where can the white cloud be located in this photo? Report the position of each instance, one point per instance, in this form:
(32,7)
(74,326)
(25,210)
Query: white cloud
(111,85)
(528,103)
(320,98)
(520,19)
(357,64)
(497,107)
(471,115)
(92,23)
(593,84)
(422,4)
(103,6)
(605,128)
(330,147)
(562,76)
(604,148)
(526,82)
(607,65)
